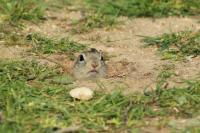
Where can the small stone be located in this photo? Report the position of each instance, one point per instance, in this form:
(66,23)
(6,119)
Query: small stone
(82,93)
(189,58)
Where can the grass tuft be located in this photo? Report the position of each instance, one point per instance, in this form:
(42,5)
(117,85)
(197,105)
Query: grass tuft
(94,20)
(105,12)
(23,71)
(176,45)
(47,46)
(13,11)
(145,8)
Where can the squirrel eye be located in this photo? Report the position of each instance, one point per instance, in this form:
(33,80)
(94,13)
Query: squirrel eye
(81,58)
(102,58)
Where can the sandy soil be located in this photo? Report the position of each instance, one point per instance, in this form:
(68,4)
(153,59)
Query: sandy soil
(11,52)
(135,67)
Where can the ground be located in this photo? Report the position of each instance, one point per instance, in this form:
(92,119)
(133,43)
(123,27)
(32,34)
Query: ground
(136,67)
(132,67)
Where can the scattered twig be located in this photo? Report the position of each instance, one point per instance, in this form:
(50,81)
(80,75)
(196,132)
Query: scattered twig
(126,111)
(125,115)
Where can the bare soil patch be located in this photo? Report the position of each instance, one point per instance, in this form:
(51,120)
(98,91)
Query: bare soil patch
(10,52)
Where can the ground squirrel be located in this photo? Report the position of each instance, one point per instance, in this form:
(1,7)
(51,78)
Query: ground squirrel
(90,64)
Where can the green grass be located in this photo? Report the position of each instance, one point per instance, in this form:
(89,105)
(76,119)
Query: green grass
(176,45)
(12,15)
(145,8)
(93,20)
(35,98)
(23,71)
(37,105)
(99,13)
(45,45)
(11,36)
(104,13)
(14,11)
(165,74)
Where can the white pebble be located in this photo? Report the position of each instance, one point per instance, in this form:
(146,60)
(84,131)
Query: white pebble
(81,93)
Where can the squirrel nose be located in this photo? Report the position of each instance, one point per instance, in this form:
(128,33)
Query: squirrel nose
(94,65)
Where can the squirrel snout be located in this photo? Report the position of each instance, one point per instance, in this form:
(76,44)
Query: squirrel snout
(94,65)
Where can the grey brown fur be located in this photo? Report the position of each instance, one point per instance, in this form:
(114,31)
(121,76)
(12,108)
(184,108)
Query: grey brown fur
(90,64)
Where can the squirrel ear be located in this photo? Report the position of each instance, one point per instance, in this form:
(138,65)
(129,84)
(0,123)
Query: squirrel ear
(93,50)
